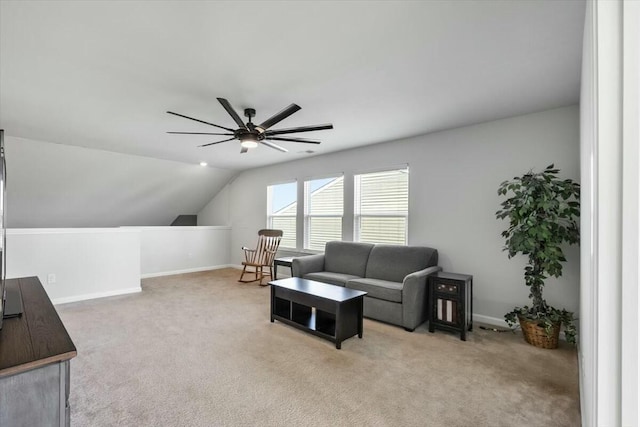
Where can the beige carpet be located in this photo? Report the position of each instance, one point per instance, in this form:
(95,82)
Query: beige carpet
(199,350)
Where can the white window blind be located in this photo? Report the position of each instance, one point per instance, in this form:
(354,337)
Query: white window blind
(281,211)
(323,211)
(382,207)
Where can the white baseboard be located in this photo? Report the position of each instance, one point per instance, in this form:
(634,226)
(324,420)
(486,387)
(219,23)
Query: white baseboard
(75,298)
(187,270)
(491,321)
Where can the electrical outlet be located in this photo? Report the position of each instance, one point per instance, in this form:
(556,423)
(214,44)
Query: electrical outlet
(51,278)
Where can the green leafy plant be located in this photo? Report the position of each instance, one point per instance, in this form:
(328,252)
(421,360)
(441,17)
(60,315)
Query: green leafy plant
(543,212)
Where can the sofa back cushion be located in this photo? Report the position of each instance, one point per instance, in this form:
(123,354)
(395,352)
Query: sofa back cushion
(346,257)
(393,262)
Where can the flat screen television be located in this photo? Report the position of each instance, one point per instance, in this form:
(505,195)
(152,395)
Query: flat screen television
(10,298)
(3,245)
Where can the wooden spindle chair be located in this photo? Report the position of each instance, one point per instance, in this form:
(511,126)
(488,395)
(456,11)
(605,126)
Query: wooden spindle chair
(262,256)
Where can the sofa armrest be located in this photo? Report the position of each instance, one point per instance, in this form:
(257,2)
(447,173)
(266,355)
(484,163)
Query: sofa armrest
(307,264)
(414,297)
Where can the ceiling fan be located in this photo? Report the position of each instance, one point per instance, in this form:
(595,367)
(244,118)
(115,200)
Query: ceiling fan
(250,134)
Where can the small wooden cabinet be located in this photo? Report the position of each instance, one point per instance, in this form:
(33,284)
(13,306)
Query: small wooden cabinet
(450,302)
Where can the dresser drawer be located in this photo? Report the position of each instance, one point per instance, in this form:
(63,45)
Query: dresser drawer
(446,288)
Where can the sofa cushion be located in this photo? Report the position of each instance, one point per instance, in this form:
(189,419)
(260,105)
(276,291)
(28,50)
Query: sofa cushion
(394,262)
(346,257)
(330,277)
(376,288)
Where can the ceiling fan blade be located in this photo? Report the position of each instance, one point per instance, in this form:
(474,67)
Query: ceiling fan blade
(236,118)
(272,145)
(243,150)
(299,129)
(217,142)
(278,117)
(305,140)
(200,133)
(198,120)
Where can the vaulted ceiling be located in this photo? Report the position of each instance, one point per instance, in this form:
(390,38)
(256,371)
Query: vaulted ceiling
(103,74)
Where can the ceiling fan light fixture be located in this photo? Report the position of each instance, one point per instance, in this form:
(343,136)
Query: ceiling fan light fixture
(249,141)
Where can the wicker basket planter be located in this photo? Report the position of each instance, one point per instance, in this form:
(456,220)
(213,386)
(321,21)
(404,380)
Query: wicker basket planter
(537,336)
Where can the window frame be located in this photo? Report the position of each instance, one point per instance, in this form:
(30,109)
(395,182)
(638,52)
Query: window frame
(307,216)
(270,215)
(357,215)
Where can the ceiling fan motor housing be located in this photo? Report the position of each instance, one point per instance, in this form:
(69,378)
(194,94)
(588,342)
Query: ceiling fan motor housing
(252,134)
(249,112)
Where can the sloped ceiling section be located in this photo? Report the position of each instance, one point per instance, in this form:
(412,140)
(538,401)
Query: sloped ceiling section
(53,185)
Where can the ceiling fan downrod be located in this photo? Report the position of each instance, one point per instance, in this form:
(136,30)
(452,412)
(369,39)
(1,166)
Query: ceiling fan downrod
(249,112)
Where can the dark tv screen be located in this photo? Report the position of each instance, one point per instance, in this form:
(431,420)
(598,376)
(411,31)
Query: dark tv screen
(3,254)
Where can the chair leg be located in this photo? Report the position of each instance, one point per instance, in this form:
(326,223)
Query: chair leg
(270,274)
(259,273)
(244,270)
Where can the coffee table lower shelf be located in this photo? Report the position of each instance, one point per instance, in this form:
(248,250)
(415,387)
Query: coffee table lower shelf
(310,320)
(305,305)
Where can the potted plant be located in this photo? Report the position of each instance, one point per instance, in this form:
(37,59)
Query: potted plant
(543,212)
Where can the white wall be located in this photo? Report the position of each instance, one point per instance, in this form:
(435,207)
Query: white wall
(97,262)
(216,212)
(53,185)
(173,250)
(87,263)
(454,176)
(630,320)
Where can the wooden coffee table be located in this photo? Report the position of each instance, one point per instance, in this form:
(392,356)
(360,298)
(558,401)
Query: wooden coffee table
(328,311)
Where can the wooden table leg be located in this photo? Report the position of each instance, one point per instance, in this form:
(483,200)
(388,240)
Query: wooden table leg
(360,315)
(273,301)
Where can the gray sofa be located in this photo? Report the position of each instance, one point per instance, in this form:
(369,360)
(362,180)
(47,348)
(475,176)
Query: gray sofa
(395,277)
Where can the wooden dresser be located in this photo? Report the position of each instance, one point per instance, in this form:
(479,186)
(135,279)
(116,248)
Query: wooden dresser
(35,350)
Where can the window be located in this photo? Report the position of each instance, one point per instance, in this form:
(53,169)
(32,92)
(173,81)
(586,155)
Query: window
(382,207)
(323,211)
(281,211)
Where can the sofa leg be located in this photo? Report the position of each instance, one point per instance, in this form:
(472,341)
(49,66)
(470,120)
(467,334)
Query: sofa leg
(409,330)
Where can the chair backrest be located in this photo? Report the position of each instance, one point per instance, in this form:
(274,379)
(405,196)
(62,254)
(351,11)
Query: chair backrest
(268,243)
(269,232)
